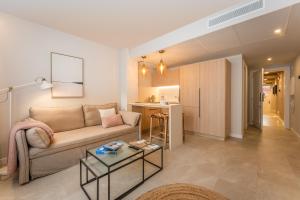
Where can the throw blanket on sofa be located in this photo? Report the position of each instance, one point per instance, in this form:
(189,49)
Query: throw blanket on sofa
(12,150)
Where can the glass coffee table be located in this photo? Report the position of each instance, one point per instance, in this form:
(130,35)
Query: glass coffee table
(98,166)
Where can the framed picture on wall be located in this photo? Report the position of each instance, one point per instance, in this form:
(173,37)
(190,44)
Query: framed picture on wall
(67,76)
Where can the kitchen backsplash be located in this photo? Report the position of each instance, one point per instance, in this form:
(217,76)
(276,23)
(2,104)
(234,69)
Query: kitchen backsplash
(170,93)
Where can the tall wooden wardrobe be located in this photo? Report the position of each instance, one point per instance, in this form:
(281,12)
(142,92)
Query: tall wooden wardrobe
(205,96)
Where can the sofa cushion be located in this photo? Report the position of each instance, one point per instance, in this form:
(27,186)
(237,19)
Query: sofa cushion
(91,113)
(37,137)
(59,118)
(107,113)
(81,137)
(130,118)
(111,121)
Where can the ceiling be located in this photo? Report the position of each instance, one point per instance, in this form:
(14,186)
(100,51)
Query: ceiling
(125,23)
(255,39)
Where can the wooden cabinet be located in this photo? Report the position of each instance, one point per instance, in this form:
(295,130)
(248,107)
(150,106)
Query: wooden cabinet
(205,96)
(214,89)
(169,77)
(189,85)
(191,118)
(189,96)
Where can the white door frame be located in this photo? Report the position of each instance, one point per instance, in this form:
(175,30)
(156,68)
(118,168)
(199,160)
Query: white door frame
(287,77)
(251,97)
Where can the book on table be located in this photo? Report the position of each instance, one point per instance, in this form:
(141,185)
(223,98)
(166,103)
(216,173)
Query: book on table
(138,144)
(109,148)
(143,144)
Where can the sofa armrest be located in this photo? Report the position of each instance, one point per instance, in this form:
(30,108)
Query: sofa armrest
(133,119)
(23,157)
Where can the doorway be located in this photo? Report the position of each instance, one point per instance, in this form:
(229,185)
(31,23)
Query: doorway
(273,98)
(270,97)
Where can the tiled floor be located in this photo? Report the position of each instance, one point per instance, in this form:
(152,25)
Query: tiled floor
(265,166)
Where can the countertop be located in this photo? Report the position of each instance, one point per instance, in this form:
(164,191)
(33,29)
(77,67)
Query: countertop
(152,105)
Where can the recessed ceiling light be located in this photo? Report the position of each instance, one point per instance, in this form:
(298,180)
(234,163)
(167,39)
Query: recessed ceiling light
(277,31)
(269,59)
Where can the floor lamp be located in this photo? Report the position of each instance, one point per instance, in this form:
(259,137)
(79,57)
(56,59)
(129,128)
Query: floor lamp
(8,92)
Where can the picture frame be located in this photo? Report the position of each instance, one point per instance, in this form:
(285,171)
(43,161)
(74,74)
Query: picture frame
(67,76)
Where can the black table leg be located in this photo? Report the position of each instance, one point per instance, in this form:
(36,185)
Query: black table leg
(108,179)
(162,158)
(97,189)
(143,166)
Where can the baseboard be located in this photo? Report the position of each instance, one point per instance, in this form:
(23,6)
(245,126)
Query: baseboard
(208,136)
(232,135)
(236,135)
(295,132)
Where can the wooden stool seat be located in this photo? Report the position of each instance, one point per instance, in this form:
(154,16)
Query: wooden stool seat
(160,116)
(164,118)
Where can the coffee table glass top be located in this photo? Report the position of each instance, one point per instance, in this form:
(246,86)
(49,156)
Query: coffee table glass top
(111,159)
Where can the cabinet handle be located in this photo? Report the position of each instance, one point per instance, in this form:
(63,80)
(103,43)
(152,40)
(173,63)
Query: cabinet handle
(199,104)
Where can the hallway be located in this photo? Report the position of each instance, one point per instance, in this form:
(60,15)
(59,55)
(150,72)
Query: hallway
(272,120)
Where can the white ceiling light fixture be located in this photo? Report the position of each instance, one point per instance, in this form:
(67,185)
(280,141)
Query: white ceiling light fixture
(270,59)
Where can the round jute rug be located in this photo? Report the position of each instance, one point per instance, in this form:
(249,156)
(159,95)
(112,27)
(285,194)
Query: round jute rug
(180,191)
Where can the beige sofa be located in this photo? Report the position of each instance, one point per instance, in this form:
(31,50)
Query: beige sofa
(75,130)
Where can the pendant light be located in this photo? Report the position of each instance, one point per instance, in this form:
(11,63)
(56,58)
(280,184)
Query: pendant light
(144,69)
(161,65)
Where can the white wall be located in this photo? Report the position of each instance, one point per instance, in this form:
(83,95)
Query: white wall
(295,99)
(236,95)
(128,79)
(25,54)
(245,95)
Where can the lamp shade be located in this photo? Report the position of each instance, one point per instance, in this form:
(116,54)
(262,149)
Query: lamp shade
(46,85)
(43,83)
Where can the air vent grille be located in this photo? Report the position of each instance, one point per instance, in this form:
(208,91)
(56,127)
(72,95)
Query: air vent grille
(250,7)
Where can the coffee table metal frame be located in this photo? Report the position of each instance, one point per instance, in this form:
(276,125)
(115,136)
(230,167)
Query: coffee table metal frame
(96,177)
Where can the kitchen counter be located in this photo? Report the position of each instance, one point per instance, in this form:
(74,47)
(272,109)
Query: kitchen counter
(175,119)
(152,105)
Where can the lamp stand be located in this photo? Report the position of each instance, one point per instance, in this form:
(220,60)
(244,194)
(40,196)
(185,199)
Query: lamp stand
(8,91)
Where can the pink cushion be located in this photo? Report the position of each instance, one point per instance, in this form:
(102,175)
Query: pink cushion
(114,120)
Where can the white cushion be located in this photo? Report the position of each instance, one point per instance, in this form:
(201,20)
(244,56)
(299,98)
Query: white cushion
(107,112)
(37,137)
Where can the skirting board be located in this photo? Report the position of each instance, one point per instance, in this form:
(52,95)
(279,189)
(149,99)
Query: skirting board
(236,135)
(233,135)
(295,132)
(204,135)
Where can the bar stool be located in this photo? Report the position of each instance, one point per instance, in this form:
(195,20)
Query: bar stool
(163,120)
